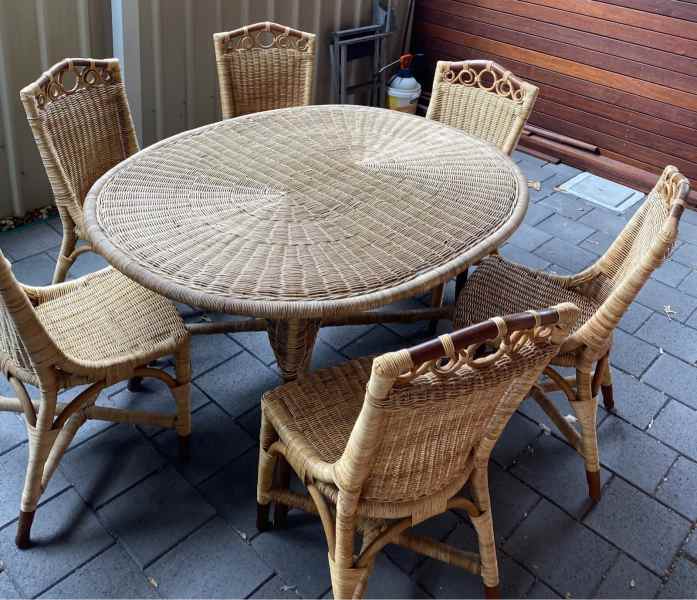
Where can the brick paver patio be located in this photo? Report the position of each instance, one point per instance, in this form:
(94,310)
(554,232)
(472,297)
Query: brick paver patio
(123,518)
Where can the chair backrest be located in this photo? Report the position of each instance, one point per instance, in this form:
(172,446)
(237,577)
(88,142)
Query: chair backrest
(25,346)
(642,246)
(483,99)
(262,67)
(425,416)
(79,115)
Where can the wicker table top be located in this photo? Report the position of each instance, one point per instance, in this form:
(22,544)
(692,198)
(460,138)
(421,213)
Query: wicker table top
(305,212)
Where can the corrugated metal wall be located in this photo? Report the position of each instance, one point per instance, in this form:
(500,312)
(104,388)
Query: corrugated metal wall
(176,87)
(34,34)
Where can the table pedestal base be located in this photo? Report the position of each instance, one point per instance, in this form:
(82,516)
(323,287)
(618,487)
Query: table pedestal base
(292,342)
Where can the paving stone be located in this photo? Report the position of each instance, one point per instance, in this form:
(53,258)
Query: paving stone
(298,554)
(437,528)
(27,240)
(34,270)
(238,384)
(692,321)
(635,316)
(598,243)
(565,229)
(7,588)
(387,581)
(676,425)
(153,396)
(110,463)
(13,468)
(689,284)
(565,255)
(675,378)
(633,454)
(215,441)
(567,205)
(274,589)
(672,273)
(251,422)
(686,254)
(537,213)
(208,351)
(682,582)
(691,545)
(377,341)
(523,257)
(631,354)
(153,516)
(604,221)
(65,535)
(646,530)
(340,336)
(517,436)
(528,238)
(447,581)
(112,574)
(687,232)
(657,295)
(324,356)
(213,544)
(12,431)
(91,427)
(529,164)
(257,342)
(541,590)
(86,263)
(557,471)
(635,401)
(679,488)
(511,501)
(419,329)
(562,170)
(533,411)
(628,579)
(569,557)
(673,337)
(233,493)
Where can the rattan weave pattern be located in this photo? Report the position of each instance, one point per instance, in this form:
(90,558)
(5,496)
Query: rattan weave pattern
(305,212)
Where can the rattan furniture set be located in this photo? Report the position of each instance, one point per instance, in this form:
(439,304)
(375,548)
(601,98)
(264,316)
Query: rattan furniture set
(299,217)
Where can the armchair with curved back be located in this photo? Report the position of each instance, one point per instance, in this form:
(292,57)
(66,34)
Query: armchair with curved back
(262,67)
(485,100)
(82,124)
(603,292)
(94,331)
(383,444)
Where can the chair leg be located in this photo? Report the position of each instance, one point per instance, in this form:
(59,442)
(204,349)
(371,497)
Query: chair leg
(42,438)
(484,526)
(280,511)
(68,245)
(437,295)
(586,408)
(606,390)
(267,465)
(182,397)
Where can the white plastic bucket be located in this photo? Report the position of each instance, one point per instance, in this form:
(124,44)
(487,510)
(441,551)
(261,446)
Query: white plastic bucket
(404,100)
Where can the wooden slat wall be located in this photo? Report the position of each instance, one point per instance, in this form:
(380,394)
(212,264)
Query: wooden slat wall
(618,74)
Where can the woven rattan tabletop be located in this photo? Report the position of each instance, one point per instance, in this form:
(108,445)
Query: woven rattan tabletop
(305,212)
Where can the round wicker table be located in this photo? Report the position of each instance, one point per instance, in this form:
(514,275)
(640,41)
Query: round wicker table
(300,214)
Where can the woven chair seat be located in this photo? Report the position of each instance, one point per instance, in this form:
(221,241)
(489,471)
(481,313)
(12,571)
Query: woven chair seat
(322,407)
(109,317)
(500,287)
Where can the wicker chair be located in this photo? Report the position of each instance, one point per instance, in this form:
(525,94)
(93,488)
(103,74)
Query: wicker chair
(97,330)
(384,447)
(262,67)
(485,100)
(79,115)
(603,292)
